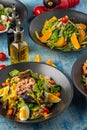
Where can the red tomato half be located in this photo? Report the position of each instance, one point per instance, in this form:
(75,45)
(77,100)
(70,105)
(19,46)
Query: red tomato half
(2,66)
(64,19)
(38,10)
(2,27)
(2,56)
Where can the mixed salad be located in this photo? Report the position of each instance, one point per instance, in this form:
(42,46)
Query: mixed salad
(27,95)
(84,75)
(63,34)
(4,17)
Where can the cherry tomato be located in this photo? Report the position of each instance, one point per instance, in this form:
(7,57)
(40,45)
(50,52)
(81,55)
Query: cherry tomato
(2,66)
(8,19)
(64,19)
(65,44)
(2,27)
(38,10)
(46,110)
(86,87)
(2,56)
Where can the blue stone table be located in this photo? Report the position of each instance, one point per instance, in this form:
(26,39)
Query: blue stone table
(75,116)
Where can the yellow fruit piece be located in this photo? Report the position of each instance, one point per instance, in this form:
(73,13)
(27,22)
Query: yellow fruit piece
(74,41)
(46,35)
(81,35)
(4,91)
(54,18)
(60,42)
(50,62)
(1,92)
(47,22)
(37,58)
(81,25)
(52,98)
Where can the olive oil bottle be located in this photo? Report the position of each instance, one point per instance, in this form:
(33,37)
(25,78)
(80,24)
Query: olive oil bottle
(19,50)
(10,34)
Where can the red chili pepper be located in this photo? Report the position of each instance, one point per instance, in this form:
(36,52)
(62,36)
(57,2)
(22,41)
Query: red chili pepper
(2,56)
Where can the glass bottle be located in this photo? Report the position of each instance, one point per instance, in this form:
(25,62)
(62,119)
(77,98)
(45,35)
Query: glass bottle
(10,34)
(19,51)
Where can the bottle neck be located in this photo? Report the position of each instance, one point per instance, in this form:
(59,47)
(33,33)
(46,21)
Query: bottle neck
(13,23)
(18,37)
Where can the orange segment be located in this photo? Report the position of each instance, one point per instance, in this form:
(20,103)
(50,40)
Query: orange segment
(81,35)
(46,35)
(81,25)
(60,42)
(37,58)
(50,62)
(74,41)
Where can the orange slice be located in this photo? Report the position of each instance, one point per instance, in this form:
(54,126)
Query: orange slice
(81,25)
(50,62)
(37,58)
(46,35)
(60,42)
(74,41)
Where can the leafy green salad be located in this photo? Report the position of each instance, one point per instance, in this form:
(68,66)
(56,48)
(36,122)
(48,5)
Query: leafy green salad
(63,34)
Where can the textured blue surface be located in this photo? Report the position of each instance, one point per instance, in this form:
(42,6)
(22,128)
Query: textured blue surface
(75,116)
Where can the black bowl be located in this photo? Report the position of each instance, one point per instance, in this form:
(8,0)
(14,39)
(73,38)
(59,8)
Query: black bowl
(38,22)
(77,74)
(57,75)
(20,8)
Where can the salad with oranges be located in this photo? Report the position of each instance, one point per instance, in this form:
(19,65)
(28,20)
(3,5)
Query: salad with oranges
(63,34)
(27,95)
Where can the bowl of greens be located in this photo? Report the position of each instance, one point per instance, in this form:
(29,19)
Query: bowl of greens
(34,92)
(79,74)
(6,10)
(62,30)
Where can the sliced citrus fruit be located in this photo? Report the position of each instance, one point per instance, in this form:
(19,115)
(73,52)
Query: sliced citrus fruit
(81,25)
(50,62)
(37,58)
(1,92)
(60,42)
(46,35)
(82,35)
(4,91)
(74,41)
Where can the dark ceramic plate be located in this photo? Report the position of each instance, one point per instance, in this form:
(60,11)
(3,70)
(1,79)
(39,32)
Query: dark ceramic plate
(20,8)
(38,22)
(57,75)
(77,74)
